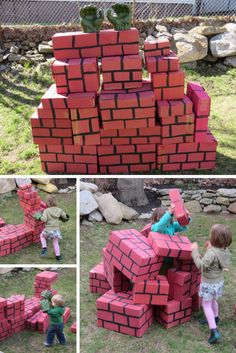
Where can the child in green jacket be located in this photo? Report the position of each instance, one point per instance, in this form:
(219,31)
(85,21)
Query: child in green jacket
(213,264)
(52,216)
(56,321)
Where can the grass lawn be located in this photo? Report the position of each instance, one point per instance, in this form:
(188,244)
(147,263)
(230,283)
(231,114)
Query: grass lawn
(12,213)
(189,337)
(20,94)
(28,341)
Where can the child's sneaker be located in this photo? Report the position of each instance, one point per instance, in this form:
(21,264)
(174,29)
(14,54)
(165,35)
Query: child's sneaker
(59,258)
(46,344)
(214,337)
(44,252)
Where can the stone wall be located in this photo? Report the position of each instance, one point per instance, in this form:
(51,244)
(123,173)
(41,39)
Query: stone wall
(221,200)
(194,39)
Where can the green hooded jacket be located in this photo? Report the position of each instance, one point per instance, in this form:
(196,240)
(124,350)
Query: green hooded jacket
(212,264)
(51,217)
(56,315)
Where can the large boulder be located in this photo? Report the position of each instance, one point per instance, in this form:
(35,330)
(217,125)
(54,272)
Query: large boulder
(220,200)
(88,186)
(227,192)
(95,216)
(45,48)
(49,188)
(190,46)
(193,206)
(206,201)
(7,185)
(87,203)
(22,181)
(208,30)
(128,212)
(109,208)
(39,180)
(223,44)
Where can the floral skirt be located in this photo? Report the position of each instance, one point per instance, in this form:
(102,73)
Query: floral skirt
(52,234)
(209,291)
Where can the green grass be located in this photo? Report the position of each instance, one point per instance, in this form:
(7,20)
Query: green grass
(190,337)
(20,95)
(12,213)
(28,341)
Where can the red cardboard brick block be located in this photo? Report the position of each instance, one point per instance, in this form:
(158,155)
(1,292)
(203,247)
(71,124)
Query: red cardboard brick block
(47,277)
(52,100)
(157,47)
(132,254)
(170,108)
(168,85)
(116,312)
(15,307)
(180,284)
(118,282)
(76,75)
(193,86)
(43,322)
(175,313)
(201,103)
(32,305)
(151,291)
(168,63)
(3,303)
(73,327)
(66,315)
(122,72)
(179,210)
(171,246)
(145,231)
(97,280)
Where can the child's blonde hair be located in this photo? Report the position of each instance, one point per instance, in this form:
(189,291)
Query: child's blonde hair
(51,201)
(157,214)
(58,300)
(220,236)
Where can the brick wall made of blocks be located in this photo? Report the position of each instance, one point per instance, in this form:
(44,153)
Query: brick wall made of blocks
(74,115)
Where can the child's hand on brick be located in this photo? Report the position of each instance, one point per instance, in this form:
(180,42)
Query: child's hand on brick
(194,246)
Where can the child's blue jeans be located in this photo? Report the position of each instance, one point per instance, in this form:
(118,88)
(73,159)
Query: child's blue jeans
(56,330)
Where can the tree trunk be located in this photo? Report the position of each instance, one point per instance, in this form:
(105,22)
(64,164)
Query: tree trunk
(131,192)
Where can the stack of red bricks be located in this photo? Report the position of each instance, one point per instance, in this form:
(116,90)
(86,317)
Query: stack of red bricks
(44,281)
(133,291)
(13,238)
(123,123)
(18,313)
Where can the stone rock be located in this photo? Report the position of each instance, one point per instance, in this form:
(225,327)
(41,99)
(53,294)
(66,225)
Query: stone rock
(223,44)
(14,57)
(95,216)
(192,65)
(45,49)
(175,30)
(87,203)
(19,68)
(209,194)
(222,201)
(145,216)
(3,68)
(193,206)
(161,28)
(165,35)
(128,213)
(151,38)
(1,58)
(27,269)
(190,47)
(165,203)
(210,58)
(206,201)
(230,61)
(86,223)
(230,27)
(227,192)
(7,185)
(43,181)
(22,181)
(50,188)
(208,30)
(88,186)
(35,58)
(5,270)
(109,208)
(212,209)
(14,49)
(232,207)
